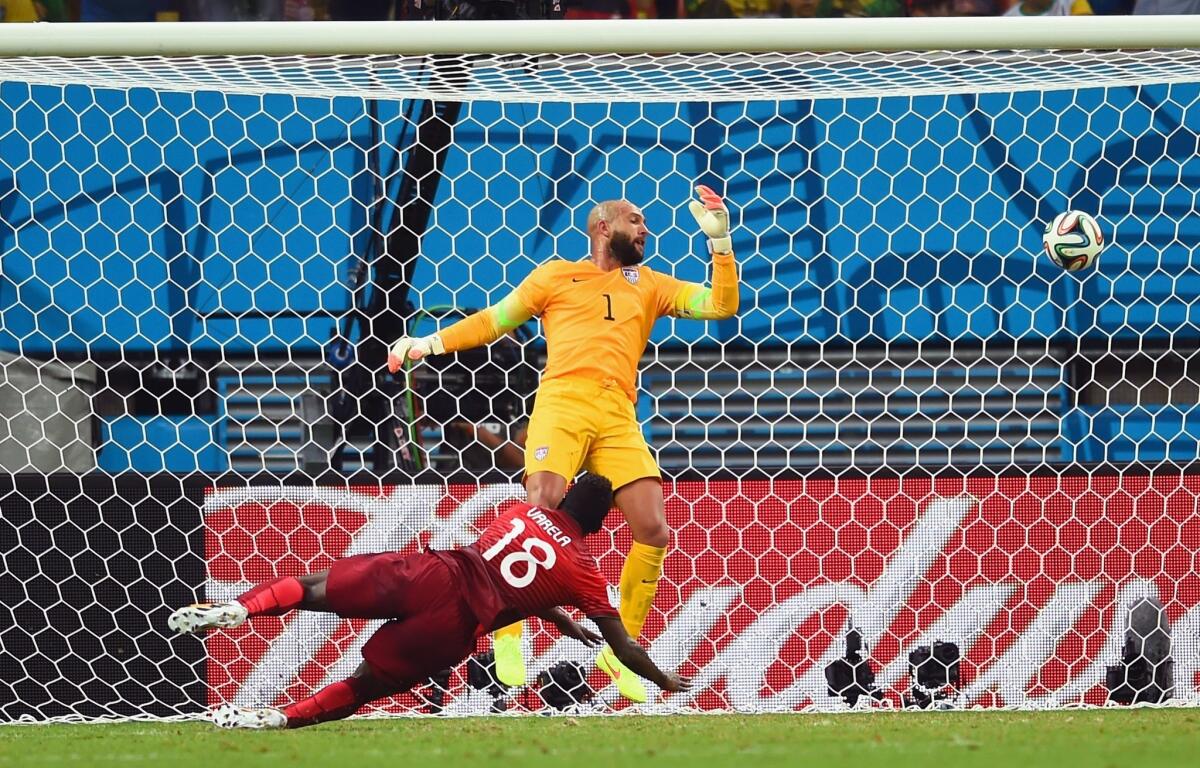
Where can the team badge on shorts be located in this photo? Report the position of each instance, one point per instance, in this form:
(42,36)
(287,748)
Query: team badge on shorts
(631,274)
(541,453)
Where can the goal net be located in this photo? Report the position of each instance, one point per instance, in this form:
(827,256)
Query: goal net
(923,466)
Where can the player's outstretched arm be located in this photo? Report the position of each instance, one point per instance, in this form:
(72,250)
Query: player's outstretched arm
(570,628)
(634,656)
(475,330)
(721,300)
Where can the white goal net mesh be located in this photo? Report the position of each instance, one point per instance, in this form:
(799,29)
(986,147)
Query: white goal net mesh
(917,432)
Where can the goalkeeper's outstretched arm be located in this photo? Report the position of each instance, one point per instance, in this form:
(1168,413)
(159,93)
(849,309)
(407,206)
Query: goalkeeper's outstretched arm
(716,303)
(721,300)
(482,327)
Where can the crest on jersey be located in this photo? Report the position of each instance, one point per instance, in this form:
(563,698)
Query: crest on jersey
(541,453)
(631,274)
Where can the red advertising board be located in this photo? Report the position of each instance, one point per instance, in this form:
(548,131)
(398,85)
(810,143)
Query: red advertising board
(1030,577)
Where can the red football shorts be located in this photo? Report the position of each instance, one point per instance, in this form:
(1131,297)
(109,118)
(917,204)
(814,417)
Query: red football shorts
(432,628)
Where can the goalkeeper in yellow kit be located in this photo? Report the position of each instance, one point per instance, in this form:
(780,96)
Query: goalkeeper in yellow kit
(596,315)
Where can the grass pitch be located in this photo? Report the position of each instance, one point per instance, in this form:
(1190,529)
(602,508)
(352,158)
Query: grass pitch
(1097,739)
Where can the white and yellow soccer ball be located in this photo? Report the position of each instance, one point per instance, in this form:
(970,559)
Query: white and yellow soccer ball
(1073,240)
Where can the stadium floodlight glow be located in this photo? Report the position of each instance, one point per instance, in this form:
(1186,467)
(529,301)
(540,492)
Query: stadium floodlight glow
(917,428)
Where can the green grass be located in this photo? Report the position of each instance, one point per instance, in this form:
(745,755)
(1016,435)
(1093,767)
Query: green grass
(1125,739)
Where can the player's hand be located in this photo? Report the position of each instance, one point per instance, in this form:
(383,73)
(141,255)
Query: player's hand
(713,217)
(413,348)
(674,683)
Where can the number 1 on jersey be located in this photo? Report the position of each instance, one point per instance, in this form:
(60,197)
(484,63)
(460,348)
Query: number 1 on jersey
(608,300)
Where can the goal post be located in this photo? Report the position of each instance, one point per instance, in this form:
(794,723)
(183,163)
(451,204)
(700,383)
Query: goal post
(796,58)
(918,433)
(653,36)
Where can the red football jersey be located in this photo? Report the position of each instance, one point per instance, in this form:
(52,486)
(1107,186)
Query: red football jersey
(528,560)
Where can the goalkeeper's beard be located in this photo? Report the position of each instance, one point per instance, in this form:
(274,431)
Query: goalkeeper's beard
(624,250)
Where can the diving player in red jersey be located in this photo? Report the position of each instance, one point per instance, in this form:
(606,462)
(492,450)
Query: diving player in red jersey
(528,562)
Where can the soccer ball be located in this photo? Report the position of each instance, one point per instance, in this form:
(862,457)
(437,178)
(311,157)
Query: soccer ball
(1073,240)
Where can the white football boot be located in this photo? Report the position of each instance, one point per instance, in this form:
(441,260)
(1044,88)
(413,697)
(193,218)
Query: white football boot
(200,616)
(256,718)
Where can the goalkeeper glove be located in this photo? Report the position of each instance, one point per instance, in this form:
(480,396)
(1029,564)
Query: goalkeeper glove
(413,348)
(713,217)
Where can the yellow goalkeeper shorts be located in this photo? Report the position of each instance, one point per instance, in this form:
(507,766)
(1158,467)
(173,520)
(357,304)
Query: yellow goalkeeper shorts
(582,423)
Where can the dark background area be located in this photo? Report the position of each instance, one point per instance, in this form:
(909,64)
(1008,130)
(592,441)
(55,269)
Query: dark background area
(89,568)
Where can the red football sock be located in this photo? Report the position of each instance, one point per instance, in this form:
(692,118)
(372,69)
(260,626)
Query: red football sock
(273,597)
(333,702)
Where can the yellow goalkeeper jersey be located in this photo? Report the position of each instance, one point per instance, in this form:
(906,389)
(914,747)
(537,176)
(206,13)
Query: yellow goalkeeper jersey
(597,323)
